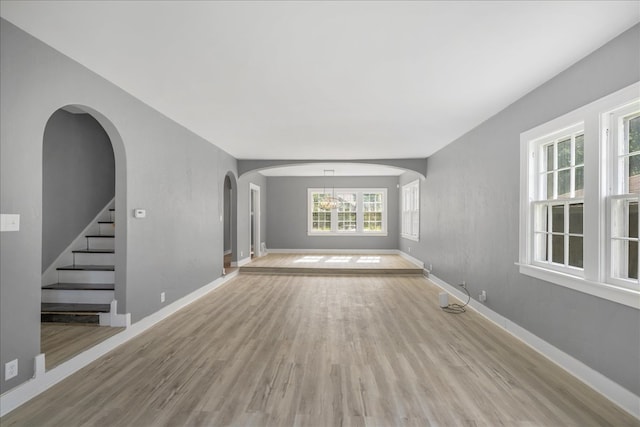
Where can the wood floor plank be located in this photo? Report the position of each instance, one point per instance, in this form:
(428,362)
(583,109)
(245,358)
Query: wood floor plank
(321,351)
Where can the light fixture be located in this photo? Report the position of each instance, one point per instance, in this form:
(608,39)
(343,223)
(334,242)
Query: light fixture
(329,202)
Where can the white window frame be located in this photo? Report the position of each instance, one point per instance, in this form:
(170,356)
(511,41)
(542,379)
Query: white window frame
(618,190)
(359,212)
(410,211)
(594,278)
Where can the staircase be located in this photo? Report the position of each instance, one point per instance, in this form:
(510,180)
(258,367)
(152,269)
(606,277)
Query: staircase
(86,287)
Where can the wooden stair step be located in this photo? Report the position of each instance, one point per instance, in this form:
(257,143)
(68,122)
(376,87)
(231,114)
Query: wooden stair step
(87,268)
(72,313)
(81,286)
(94,251)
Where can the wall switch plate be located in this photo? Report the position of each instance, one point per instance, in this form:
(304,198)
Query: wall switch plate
(162,297)
(11,369)
(9,222)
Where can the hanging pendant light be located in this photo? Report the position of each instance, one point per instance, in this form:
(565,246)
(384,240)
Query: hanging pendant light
(329,202)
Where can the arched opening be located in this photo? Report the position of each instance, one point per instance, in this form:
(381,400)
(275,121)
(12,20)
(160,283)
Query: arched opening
(229,213)
(82,267)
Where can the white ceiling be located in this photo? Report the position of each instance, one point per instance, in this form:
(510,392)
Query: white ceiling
(326,80)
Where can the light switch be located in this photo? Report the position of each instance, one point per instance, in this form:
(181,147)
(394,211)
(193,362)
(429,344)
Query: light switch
(139,213)
(9,222)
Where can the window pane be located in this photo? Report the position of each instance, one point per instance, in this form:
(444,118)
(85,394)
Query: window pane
(634,134)
(564,153)
(550,186)
(580,181)
(575,251)
(550,157)
(557,213)
(633,219)
(557,243)
(632,272)
(634,174)
(575,218)
(579,150)
(564,183)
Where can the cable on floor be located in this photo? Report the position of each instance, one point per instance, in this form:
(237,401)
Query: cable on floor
(456,308)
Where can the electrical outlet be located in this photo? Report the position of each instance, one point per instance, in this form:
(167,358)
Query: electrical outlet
(409,249)
(161,296)
(430,267)
(464,284)
(10,369)
(483,296)
(241,253)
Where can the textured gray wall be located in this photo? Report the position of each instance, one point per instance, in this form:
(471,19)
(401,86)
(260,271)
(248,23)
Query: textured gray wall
(174,174)
(287,213)
(78,179)
(470,216)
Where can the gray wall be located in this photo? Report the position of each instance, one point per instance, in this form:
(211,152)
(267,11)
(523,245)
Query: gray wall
(470,215)
(78,179)
(160,166)
(287,213)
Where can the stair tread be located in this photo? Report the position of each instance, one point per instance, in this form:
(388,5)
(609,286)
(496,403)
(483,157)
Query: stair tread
(94,251)
(81,286)
(88,267)
(54,307)
(101,235)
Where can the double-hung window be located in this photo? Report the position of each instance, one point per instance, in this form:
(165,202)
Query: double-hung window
(579,199)
(624,131)
(558,203)
(410,203)
(350,212)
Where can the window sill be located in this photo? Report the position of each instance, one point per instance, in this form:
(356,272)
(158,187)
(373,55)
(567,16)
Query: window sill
(625,296)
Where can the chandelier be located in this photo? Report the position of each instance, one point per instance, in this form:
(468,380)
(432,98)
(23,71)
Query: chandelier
(329,202)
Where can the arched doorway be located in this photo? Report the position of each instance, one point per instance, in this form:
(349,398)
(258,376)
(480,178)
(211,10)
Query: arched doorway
(229,214)
(82,252)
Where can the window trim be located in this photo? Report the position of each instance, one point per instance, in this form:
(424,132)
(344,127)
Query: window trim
(412,189)
(596,278)
(359,210)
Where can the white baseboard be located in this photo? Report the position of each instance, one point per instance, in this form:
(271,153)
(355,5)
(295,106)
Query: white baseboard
(43,381)
(240,263)
(409,258)
(334,251)
(594,379)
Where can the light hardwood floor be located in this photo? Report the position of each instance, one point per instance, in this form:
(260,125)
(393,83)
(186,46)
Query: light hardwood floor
(60,342)
(321,351)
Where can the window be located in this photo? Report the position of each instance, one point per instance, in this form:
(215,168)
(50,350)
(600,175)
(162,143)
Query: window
(624,128)
(579,197)
(558,205)
(411,210)
(360,212)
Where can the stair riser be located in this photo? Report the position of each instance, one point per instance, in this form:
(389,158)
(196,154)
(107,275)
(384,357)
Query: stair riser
(93,319)
(77,296)
(107,229)
(100,243)
(81,276)
(94,259)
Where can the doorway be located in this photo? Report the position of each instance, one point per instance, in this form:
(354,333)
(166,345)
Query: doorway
(229,200)
(254,216)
